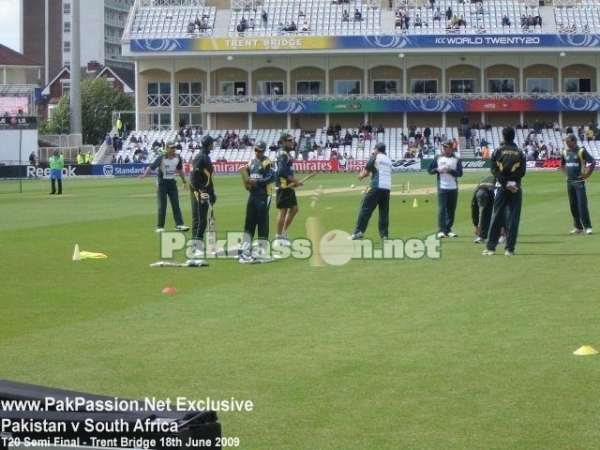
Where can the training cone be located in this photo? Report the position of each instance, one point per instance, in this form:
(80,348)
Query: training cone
(169,290)
(415,203)
(76,253)
(585,350)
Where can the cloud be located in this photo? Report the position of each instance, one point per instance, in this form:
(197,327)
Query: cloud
(10,23)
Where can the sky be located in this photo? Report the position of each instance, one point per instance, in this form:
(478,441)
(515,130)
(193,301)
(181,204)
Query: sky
(10,24)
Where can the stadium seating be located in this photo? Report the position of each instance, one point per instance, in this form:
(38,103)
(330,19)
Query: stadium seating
(325,19)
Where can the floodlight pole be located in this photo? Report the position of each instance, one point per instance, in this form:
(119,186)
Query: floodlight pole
(75,72)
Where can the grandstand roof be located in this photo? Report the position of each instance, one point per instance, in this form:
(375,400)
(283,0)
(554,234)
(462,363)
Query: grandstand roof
(10,57)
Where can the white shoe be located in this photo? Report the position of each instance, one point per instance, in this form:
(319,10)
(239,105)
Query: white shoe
(502,240)
(509,253)
(244,258)
(442,235)
(576,231)
(159,230)
(182,228)
(355,236)
(452,235)
(487,252)
(479,240)
(282,242)
(589,231)
(198,253)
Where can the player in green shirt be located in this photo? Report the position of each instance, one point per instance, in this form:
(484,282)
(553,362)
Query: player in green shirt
(572,163)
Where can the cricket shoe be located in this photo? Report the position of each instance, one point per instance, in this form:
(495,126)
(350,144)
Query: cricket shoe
(282,242)
(244,258)
(576,231)
(442,235)
(452,235)
(182,228)
(487,252)
(509,253)
(160,229)
(502,240)
(589,231)
(355,236)
(479,240)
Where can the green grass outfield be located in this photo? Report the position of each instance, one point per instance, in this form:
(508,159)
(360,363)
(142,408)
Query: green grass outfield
(465,352)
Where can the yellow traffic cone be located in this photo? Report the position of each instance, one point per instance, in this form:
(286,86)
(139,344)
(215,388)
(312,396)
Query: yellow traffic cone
(585,350)
(415,203)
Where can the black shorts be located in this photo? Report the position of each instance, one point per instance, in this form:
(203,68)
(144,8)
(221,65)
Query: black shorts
(286,198)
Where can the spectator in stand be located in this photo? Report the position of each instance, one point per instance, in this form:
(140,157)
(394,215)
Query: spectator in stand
(357,15)
(345,16)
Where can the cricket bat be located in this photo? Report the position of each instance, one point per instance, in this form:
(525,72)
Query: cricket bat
(301,181)
(245,176)
(211,236)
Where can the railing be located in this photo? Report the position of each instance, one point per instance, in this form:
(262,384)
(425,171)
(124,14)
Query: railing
(369,97)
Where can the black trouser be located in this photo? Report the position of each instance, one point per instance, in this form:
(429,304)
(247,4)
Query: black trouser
(372,199)
(483,200)
(199,215)
(168,188)
(447,201)
(257,216)
(507,213)
(54,186)
(579,204)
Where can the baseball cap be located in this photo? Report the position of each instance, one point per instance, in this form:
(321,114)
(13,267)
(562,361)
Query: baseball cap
(447,144)
(170,144)
(570,137)
(285,136)
(260,145)
(380,146)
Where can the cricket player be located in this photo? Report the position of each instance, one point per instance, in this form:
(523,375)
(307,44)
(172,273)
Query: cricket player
(573,161)
(379,167)
(167,167)
(260,185)
(202,191)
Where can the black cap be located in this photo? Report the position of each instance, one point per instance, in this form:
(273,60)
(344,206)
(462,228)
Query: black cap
(260,145)
(206,141)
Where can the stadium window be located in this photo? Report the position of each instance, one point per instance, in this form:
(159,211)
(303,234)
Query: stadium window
(423,86)
(385,86)
(160,121)
(538,85)
(308,87)
(159,94)
(67,46)
(190,94)
(346,87)
(462,86)
(67,27)
(67,9)
(192,119)
(270,87)
(231,88)
(578,85)
(501,85)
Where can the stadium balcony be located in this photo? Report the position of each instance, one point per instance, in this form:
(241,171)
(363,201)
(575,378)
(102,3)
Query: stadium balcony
(172,22)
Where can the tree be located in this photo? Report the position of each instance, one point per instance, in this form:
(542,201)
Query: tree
(98,100)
